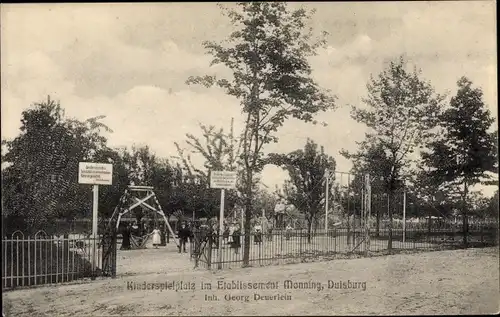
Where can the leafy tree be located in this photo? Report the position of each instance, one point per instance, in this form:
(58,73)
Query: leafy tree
(264,202)
(144,168)
(306,169)
(375,162)
(464,151)
(109,196)
(478,205)
(267,57)
(400,111)
(140,162)
(40,182)
(220,151)
(193,196)
(492,209)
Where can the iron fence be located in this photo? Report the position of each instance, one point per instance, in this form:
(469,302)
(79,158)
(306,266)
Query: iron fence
(44,259)
(282,247)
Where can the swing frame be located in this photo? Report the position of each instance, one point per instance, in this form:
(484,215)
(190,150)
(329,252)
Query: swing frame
(135,202)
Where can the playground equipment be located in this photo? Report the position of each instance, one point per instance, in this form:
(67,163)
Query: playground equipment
(136,196)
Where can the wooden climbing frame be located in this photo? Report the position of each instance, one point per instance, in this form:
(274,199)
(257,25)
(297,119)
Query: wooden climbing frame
(150,202)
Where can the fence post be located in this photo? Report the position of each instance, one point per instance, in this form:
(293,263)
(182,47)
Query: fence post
(368,212)
(12,262)
(114,247)
(17,261)
(36,273)
(260,253)
(209,257)
(281,243)
(29,261)
(4,247)
(300,241)
(482,234)
(22,262)
(197,248)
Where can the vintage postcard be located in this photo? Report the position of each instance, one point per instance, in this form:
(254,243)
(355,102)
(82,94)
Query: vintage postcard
(253,158)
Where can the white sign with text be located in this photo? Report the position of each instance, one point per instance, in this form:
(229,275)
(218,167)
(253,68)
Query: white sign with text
(223,179)
(95,173)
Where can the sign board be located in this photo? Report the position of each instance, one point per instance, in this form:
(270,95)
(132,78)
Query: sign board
(223,179)
(95,173)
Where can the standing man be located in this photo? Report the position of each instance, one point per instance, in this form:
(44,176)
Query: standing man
(184,234)
(236,239)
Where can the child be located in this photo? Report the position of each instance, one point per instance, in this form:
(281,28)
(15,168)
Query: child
(231,231)
(156,237)
(225,235)
(270,233)
(215,236)
(288,231)
(258,234)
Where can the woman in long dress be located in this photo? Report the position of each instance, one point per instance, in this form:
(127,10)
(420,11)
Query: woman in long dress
(225,234)
(236,239)
(126,237)
(156,237)
(231,231)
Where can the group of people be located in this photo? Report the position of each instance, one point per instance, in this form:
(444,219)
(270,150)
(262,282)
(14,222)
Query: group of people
(185,234)
(134,229)
(263,226)
(210,234)
(231,234)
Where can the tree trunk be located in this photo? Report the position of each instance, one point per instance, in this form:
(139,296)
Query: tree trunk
(247,229)
(309,227)
(248,218)
(465,225)
(316,222)
(348,230)
(377,230)
(429,222)
(390,203)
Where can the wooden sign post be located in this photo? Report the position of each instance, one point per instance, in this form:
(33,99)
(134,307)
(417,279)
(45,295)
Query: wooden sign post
(95,174)
(223,180)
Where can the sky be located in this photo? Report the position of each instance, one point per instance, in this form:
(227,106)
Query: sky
(129,62)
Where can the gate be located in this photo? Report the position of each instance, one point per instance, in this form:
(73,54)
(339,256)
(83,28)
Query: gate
(350,210)
(109,249)
(201,248)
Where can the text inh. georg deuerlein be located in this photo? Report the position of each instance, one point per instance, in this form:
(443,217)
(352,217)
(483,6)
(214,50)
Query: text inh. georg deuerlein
(231,290)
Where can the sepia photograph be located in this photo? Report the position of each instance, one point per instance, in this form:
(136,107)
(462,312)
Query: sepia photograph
(249,158)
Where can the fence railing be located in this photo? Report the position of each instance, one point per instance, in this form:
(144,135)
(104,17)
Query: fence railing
(292,246)
(43,259)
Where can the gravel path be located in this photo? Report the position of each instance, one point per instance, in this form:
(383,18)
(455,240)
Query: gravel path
(445,282)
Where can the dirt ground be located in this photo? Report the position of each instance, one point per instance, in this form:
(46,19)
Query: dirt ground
(444,282)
